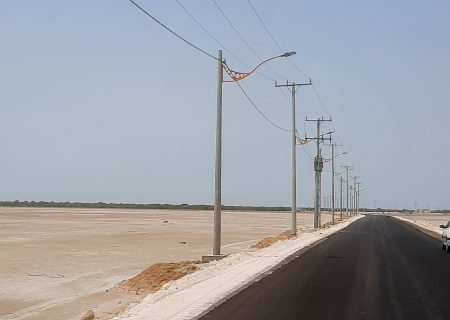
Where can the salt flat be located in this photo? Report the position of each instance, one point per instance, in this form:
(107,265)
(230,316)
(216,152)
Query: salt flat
(57,263)
(429,221)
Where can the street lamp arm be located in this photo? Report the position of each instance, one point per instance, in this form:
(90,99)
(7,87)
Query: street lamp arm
(340,154)
(237,76)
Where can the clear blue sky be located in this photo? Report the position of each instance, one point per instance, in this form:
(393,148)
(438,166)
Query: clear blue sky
(99,103)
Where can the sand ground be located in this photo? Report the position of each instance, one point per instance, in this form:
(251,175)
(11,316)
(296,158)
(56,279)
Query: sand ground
(434,218)
(58,263)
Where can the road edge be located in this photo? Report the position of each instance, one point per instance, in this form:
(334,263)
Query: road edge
(428,232)
(279,265)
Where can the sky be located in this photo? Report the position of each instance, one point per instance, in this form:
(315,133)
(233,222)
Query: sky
(101,104)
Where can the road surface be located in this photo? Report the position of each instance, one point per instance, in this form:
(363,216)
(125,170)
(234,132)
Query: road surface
(377,268)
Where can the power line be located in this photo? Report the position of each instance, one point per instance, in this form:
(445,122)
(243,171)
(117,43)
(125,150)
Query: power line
(243,39)
(259,110)
(305,146)
(173,32)
(274,40)
(265,27)
(307,153)
(236,30)
(287,99)
(291,62)
(320,101)
(311,109)
(298,69)
(217,41)
(282,50)
(325,109)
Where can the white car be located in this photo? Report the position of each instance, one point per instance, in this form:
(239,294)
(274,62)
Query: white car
(446,237)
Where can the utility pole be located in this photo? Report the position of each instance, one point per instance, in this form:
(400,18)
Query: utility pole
(351,194)
(318,166)
(347,168)
(354,194)
(357,197)
(341,201)
(293,87)
(350,197)
(235,76)
(218,168)
(333,145)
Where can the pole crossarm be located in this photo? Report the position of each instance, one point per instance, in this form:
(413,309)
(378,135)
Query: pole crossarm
(320,137)
(293,87)
(318,166)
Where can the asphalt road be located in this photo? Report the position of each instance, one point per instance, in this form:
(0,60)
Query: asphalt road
(377,268)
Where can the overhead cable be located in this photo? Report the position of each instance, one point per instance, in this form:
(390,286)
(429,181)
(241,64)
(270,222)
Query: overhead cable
(171,31)
(217,41)
(274,40)
(243,39)
(259,110)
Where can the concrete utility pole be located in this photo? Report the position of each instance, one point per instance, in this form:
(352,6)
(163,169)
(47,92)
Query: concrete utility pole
(293,87)
(352,201)
(354,194)
(235,76)
(318,166)
(341,201)
(218,167)
(333,145)
(357,197)
(347,168)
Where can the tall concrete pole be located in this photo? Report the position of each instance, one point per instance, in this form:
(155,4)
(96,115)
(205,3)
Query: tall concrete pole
(346,198)
(347,168)
(318,166)
(294,167)
(357,198)
(350,194)
(341,200)
(332,182)
(218,169)
(317,179)
(354,195)
(293,88)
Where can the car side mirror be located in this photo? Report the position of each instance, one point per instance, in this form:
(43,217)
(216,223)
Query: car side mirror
(442,226)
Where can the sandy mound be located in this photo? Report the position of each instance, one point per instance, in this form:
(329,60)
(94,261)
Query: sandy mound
(266,242)
(155,276)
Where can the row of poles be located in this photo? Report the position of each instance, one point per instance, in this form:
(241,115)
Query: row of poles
(352,198)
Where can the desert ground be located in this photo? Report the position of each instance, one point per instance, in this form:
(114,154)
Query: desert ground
(435,219)
(58,263)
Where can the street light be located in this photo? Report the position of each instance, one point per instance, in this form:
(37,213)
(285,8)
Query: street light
(332,178)
(359,195)
(347,168)
(353,196)
(235,76)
